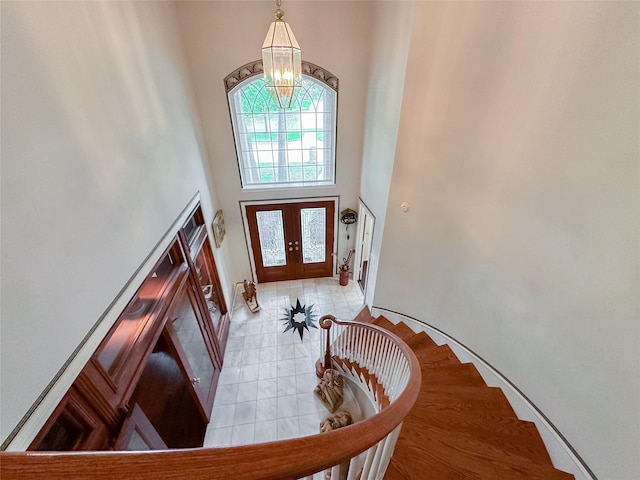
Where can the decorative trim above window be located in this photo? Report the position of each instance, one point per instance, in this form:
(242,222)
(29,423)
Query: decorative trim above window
(255,68)
(284,147)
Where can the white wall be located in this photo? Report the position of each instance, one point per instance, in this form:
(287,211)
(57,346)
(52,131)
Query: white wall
(518,152)
(390,46)
(220,36)
(99,156)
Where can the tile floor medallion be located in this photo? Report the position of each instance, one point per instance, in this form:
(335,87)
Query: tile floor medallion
(265,389)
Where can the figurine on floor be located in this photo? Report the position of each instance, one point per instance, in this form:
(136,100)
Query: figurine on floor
(333,422)
(250,296)
(331,389)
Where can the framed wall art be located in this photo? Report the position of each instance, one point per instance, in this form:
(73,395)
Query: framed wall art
(218,228)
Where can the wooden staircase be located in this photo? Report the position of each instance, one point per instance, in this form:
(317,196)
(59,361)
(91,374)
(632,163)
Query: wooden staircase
(460,428)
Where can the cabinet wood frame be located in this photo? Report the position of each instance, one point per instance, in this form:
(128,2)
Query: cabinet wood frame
(100,400)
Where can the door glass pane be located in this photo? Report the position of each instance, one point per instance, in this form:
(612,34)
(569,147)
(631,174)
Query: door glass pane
(190,336)
(313,221)
(271,233)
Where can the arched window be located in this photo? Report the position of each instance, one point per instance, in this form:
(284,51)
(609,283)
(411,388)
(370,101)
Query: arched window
(290,147)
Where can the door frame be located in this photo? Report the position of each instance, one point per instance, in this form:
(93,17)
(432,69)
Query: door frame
(247,236)
(363,214)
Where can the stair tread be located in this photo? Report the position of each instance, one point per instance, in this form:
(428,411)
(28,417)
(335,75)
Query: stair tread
(402,330)
(460,374)
(508,435)
(429,356)
(383,322)
(443,398)
(454,417)
(420,339)
(364,316)
(393,474)
(466,460)
(414,462)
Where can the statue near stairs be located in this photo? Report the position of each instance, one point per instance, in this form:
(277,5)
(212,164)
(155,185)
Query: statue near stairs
(333,422)
(250,296)
(331,389)
(338,420)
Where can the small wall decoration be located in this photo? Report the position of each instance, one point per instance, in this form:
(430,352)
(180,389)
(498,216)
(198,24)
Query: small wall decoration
(218,228)
(298,318)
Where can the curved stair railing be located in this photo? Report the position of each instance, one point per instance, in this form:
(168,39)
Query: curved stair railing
(366,353)
(383,366)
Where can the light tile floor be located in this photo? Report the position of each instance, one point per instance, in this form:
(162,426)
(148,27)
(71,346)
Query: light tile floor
(265,389)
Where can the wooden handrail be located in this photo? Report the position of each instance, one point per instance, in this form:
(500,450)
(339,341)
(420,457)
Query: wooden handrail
(286,459)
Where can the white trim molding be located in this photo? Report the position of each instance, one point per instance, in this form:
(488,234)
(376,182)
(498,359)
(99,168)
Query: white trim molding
(562,454)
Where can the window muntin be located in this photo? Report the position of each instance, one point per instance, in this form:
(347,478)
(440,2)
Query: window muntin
(284,147)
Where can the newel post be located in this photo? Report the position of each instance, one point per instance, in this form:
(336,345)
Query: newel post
(325,323)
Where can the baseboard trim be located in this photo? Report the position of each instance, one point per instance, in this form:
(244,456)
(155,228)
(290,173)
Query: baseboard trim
(563,455)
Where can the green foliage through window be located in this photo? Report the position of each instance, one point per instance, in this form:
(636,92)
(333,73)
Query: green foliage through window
(284,146)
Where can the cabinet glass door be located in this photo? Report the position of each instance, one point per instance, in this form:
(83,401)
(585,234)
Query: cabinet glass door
(210,288)
(138,433)
(188,337)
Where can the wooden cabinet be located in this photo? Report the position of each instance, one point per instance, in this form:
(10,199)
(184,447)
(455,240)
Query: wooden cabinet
(187,334)
(76,425)
(139,434)
(161,359)
(206,275)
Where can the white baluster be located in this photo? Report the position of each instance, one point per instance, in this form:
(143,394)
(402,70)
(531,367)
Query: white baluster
(371,352)
(375,341)
(393,377)
(366,469)
(363,346)
(396,372)
(393,374)
(375,464)
(353,468)
(385,364)
(387,453)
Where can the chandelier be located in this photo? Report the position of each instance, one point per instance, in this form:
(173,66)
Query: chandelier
(282,60)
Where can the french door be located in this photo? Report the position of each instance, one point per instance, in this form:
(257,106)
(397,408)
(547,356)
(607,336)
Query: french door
(292,240)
